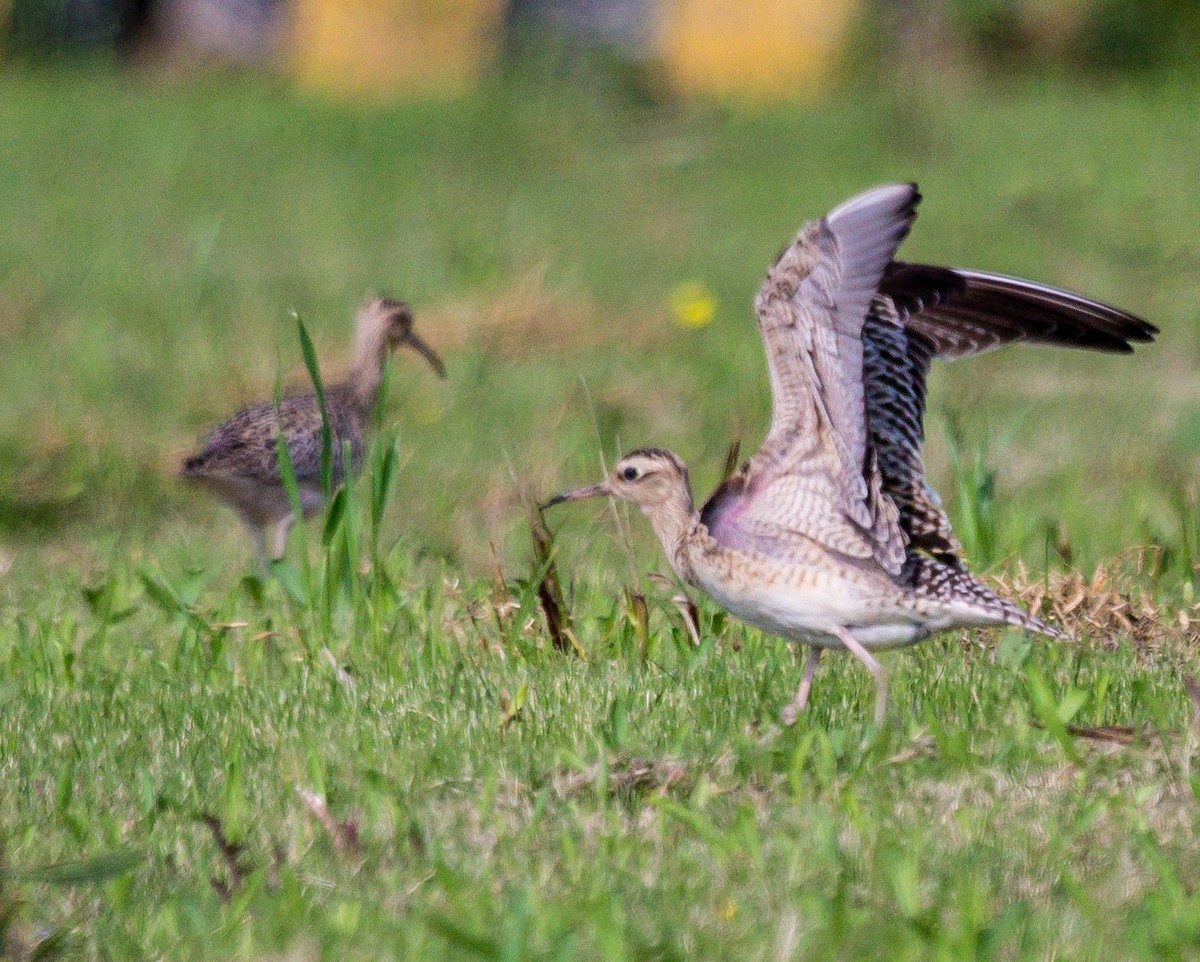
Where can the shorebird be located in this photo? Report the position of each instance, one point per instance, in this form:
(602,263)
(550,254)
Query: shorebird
(238,461)
(830,536)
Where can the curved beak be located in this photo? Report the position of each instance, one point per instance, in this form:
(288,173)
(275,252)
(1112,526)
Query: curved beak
(426,352)
(590,491)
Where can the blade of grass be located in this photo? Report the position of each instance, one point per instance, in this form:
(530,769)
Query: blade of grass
(314,373)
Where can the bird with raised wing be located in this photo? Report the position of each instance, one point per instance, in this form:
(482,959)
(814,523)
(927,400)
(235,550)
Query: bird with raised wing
(830,535)
(238,462)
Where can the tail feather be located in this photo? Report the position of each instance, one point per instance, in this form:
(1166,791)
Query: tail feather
(946,585)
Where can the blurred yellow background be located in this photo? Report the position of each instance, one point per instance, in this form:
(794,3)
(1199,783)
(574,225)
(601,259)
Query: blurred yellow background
(754,48)
(356,46)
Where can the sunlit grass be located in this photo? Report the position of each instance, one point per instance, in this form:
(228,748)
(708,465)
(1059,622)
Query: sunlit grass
(379,751)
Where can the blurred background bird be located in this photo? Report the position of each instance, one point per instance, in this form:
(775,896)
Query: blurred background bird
(239,461)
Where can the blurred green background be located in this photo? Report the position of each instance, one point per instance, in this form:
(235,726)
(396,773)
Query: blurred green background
(555,194)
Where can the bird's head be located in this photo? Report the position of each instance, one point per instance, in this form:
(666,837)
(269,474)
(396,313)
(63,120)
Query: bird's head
(386,320)
(651,478)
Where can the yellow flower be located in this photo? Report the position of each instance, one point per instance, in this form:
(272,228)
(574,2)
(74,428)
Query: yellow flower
(728,910)
(692,304)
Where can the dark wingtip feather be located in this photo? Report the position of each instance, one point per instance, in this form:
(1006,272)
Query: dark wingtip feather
(964,311)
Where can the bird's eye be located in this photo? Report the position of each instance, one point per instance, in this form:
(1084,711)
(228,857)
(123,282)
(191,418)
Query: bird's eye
(629,474)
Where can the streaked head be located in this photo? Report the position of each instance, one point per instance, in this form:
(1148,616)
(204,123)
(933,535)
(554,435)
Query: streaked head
(649,477)
(387,321)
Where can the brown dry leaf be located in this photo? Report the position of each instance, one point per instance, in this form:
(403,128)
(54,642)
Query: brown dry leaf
(1119,734)
(639,614)
(1193,690)
(512,707)
(1112,734)
(731,459)
(549,590)
(690,614)
(237,867)
(503,604)
(922,746)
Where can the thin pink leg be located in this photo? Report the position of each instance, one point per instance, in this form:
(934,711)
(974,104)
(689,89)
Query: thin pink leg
(878,672)
(793,709)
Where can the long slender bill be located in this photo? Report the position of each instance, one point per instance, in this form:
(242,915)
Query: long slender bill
(426,352)
(590,491)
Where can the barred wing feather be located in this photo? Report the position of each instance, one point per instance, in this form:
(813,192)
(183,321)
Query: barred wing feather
(815,478)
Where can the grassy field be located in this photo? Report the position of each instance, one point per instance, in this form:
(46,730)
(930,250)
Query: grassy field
(380,753)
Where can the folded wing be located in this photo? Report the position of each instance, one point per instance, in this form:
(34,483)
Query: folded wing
(245,446)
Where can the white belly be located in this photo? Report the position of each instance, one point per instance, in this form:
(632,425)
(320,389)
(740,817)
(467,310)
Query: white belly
(810,612)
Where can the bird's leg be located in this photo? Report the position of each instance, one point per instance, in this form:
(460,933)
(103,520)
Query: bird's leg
(878,672)
(279,535)
(793,709)
(259,534)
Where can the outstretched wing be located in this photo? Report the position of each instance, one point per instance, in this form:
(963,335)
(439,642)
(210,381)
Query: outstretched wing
(815,478)
(923,312)
(895,365)
(961,312)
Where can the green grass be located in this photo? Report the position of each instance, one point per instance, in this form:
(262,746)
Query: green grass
(166,714)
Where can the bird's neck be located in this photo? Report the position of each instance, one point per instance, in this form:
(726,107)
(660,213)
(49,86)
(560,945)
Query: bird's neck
(366,373)
(672,520)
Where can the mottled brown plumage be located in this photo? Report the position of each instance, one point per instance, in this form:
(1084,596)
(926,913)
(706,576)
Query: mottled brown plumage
(238,462)
(830,535)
